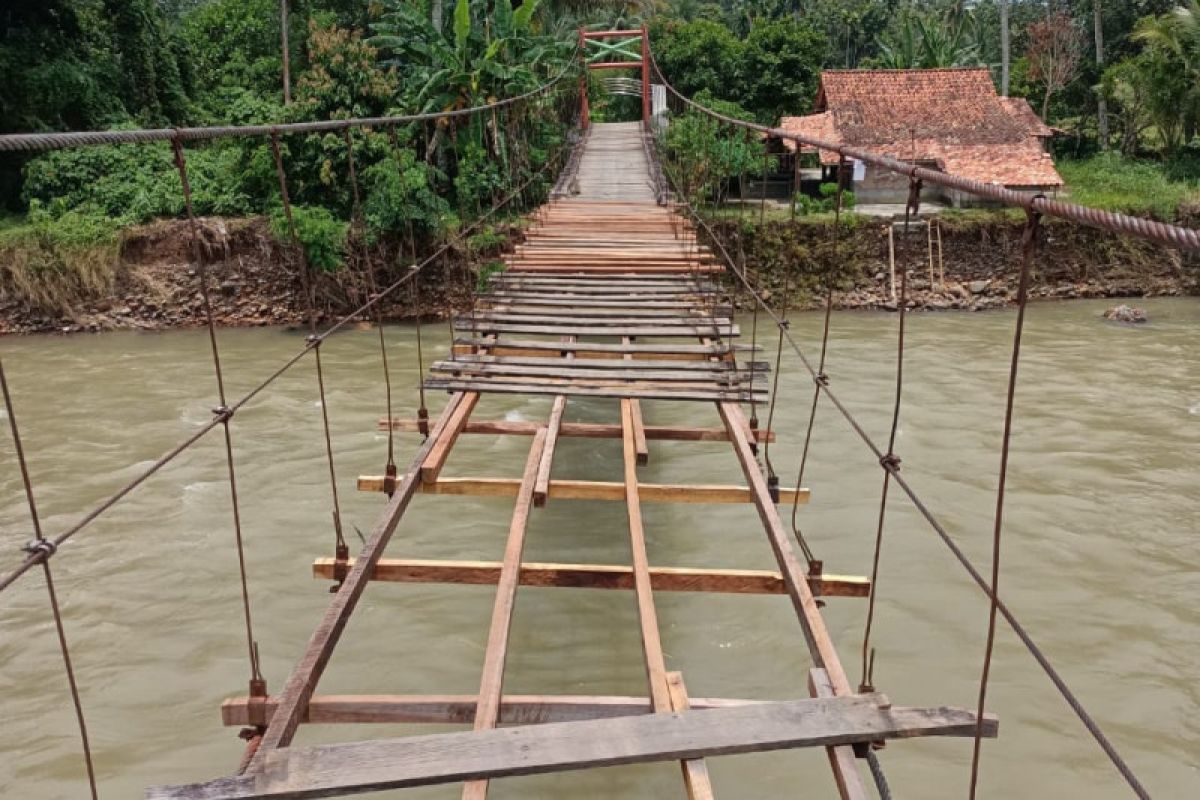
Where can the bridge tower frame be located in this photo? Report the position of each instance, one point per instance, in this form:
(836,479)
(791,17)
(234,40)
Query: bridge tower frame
(600,40)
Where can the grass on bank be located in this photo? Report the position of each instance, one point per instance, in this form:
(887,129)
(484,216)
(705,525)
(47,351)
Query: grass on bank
(1113,183)
(53,264)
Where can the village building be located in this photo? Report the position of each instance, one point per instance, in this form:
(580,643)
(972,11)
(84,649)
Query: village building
(950,120)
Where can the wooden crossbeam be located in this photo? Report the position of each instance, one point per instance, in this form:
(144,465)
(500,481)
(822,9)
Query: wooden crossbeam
(720,369)
(451,709)
(328,770)
(690,331)
(601,576)
(655,348)
(644,391)
(591,490)
(585,430)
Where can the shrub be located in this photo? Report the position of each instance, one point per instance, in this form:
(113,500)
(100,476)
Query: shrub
(322,235)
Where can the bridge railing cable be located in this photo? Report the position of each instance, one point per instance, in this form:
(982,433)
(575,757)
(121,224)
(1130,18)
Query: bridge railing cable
(44,141)
(42,548)
(1035,206)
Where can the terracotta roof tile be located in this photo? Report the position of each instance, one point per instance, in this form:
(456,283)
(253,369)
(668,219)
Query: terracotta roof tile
(949,117)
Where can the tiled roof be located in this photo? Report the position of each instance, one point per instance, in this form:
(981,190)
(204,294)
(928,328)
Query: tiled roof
(1020,109)
(950,117)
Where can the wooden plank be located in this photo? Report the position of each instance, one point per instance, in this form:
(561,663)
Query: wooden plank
(691,331)
(431,467)
(330,770)
(602,576)
(529,308)
(454,709)
(568,371)
(541,487)
(303,680)
(487,714)
(586,430)
(600,323)
(591,490)
(638,423)
(820,646)
(841,758)
(605,347)
(706,369)
(695,771)
(656,670)
(651,392)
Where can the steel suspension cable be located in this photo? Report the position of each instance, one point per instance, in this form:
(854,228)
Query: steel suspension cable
(415,300)
(821,377)
(1167,234)
(1028,247)
(18,142)
(890,461)
(358,233)
(258,686)
(169,456)
(41,549)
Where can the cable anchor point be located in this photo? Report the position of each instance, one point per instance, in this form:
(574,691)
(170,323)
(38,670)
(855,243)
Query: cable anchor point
(44,548)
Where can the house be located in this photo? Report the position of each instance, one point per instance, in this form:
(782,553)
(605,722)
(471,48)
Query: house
(946,119)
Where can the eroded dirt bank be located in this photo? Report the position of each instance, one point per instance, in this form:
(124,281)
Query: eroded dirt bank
(151,283)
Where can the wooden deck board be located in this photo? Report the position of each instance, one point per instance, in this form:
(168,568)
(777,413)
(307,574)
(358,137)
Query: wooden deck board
(339,769)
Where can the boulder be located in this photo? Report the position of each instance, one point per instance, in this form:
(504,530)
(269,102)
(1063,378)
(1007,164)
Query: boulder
(977,287)
(1124,313)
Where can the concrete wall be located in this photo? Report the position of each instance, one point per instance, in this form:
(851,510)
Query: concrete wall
(882,186)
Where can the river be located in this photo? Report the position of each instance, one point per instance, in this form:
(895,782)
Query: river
(1100,556)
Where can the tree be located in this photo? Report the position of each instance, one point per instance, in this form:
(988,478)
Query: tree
(1005,49)
(700,56)
(1175,38)
(780,67)
(1053,54)
(930,42)
(1101,105)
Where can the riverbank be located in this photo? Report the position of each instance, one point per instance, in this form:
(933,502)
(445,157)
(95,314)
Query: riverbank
(144,279)
(963,260)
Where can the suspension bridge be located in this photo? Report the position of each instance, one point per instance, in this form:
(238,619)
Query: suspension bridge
(618,293)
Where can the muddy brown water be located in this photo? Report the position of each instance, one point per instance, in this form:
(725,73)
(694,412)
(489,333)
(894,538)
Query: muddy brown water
(1101,556)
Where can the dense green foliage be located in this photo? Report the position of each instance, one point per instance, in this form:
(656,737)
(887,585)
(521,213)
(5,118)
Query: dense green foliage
(80,64)
(117,64)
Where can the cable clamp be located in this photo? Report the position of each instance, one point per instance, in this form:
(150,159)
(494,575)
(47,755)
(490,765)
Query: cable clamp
(773,488)
(890,462)
(223,413)
(43,547)
(785,324)
(312,340)
(821,379)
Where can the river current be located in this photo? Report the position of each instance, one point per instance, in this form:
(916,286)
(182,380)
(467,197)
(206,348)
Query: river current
(1101,558)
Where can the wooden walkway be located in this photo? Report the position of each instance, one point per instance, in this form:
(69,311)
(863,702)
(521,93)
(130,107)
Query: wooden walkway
(609,296)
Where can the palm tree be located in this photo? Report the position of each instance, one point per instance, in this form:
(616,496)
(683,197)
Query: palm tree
(929,43)
(1176,37)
